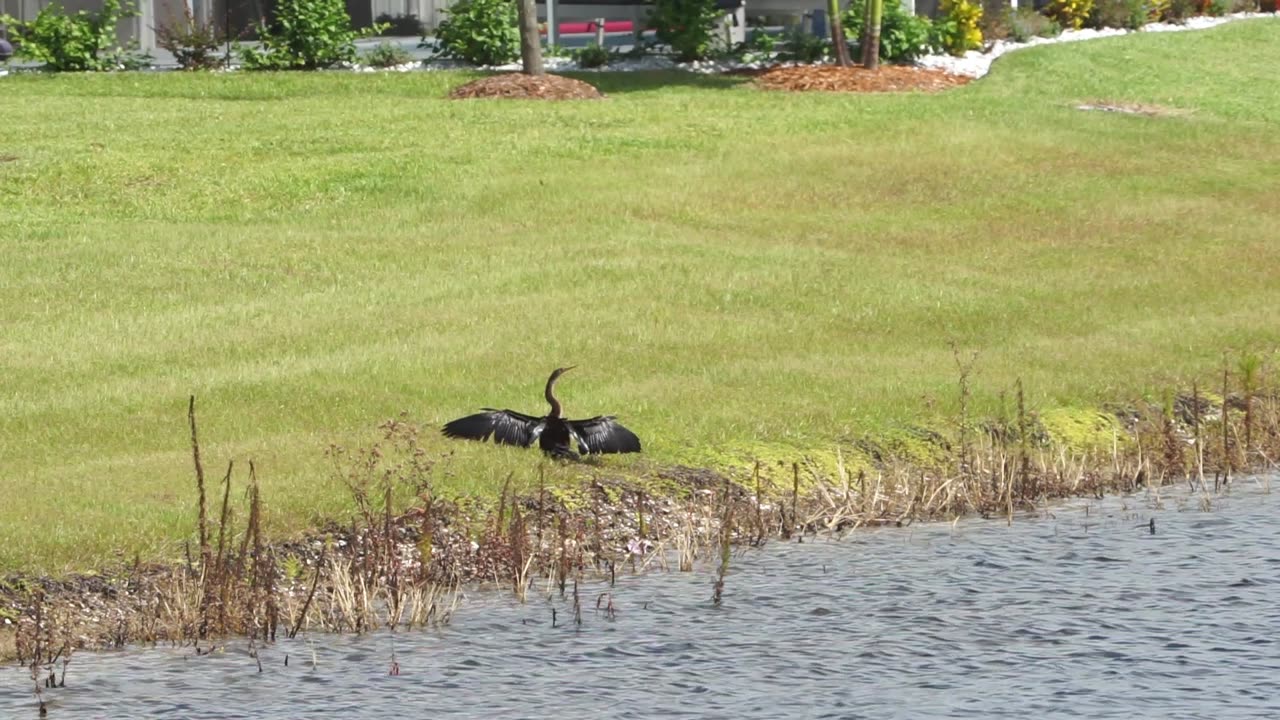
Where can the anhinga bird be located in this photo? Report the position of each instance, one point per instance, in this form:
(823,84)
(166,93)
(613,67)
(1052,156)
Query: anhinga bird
(555,434)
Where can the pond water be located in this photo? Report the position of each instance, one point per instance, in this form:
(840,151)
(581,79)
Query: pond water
(1082,613)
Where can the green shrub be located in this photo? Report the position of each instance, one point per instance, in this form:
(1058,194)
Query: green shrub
(481,32)
(306,35)
(386,55)
(194,43)
(995,20)
(760,41)
(688,26)
(1177,11)
(1070,13)
(592,56)
(956,30)
(904,36)
(805,47)
(80,42)
(400,25)
(1025,23)
(1217,8)
(1125,14)
(758,45)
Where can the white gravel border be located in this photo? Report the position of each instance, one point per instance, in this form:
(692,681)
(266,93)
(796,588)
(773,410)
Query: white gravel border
(976,64)
(972,64)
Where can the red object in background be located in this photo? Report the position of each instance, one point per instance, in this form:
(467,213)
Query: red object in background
(581,28)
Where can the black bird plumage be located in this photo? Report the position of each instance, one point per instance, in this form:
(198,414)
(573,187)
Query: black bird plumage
(555,434)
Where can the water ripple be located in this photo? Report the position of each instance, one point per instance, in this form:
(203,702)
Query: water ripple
(1080,615)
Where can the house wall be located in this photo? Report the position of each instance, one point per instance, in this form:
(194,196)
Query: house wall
(238,16)
(429,12)
(576,10)
(242,15)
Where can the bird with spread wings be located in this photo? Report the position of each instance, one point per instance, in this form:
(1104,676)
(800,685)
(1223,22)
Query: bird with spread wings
(554,434)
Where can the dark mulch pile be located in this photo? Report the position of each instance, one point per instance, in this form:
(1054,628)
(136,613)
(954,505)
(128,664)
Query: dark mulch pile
(521,86)
(830,78)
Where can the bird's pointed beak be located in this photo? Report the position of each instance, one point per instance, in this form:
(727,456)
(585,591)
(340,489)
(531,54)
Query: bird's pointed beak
(568,368)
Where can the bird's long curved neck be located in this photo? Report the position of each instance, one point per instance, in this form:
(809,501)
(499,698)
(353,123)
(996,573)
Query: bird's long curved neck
(551,397)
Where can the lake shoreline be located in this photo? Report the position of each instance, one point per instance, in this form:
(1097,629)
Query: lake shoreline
(371,572)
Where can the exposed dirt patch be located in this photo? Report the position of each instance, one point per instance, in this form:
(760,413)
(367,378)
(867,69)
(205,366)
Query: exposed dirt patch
(830,78)
(526,87)
(1129,108)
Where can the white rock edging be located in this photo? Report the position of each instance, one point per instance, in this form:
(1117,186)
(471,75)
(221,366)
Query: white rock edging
(972,64)
(976,64)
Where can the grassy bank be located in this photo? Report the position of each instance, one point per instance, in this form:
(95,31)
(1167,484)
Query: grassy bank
(738,272)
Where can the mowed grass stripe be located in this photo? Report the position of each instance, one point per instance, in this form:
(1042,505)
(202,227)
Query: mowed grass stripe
(733,269)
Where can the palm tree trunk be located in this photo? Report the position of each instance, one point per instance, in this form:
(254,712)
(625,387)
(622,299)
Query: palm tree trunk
(530,42)
(838,42)
(871,34)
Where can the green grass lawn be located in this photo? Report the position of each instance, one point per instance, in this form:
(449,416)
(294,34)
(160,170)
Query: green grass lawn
(732,269)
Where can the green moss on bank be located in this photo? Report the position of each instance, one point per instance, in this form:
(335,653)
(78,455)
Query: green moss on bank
(1084,429)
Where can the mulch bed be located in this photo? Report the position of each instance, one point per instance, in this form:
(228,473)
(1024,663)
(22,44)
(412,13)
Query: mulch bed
(527,87)
(831,78)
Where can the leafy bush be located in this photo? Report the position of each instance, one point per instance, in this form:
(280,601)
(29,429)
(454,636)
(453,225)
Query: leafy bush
(760,41)
(904,36)
(1025,23)
(387,55)
(306,35)
(556,50)
(1125,14)
(1243,6)
(592,56)
(194,43)
(1217,8)
(84,41)
(1177,11)
(1157,10)
(1070,13)
(688,26)
(481,32)
(758,45)
(400,25)
(956,30)
(995,20)
(805,47)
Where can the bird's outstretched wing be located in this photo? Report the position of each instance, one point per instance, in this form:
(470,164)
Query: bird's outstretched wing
(604,435)
(507,427)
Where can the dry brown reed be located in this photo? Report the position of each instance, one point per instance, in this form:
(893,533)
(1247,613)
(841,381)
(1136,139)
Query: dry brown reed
(390,569)
(241,589)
